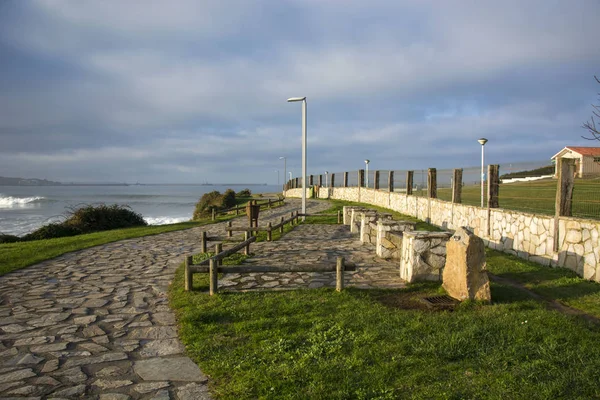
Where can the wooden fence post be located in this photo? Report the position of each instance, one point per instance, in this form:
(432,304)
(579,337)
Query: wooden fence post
(213,278)
(219,249)
(564,194)
(281,227)
(320,180)
(246,237)
(292,218)
(269,234)
(311,180)
(339,217)
(493,185)
(345,179)
(361,178)
(332,181)
(391,181)
(432,183)
(203,242)
(457,186)
(229,233)
(339,274)
(409,182)
(213,214)
(189,260)
(376,184)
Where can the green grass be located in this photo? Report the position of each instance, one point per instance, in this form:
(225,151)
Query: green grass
(357,345)
(536,196)
(552,283)
(19,255)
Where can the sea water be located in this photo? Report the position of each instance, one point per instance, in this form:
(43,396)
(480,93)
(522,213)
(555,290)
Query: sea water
(25,208)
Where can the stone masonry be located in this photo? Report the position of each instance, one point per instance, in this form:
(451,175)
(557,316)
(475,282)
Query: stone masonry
(423,255)
(389,237)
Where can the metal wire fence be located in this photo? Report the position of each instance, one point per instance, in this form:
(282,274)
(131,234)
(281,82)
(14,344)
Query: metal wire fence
(534,195)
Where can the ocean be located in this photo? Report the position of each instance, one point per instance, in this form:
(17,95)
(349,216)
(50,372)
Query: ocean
(25,208)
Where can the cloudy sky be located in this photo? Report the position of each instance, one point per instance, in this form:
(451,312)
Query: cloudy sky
(192,91)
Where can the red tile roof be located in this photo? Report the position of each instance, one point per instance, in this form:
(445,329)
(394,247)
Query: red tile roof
(585,151)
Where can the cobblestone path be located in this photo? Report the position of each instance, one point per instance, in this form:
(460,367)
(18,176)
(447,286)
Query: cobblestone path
(96,324)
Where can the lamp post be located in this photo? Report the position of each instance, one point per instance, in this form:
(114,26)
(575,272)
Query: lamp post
(284,166)
(303,100)
(290,175)
(482,142)
(367,173)
(326,174)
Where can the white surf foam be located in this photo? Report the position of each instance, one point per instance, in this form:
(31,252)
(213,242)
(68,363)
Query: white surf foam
(165,220)
(9,201)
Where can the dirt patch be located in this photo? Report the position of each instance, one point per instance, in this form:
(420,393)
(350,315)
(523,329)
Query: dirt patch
(404,301)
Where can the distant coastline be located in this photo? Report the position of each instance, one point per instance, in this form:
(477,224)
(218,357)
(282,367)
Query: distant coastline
(4,181)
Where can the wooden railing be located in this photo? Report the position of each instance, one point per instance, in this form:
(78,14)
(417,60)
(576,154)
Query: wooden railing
(214,269)
(268,204)
(293,219)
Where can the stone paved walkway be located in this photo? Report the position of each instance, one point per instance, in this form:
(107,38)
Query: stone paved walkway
(95,323)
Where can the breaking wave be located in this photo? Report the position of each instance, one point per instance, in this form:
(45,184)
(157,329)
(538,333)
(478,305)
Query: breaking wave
(9,201)
(165,220)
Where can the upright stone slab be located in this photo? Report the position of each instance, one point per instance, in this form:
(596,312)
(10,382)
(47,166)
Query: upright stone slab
(465,276)
(355,217)
(368,225)
(389,237)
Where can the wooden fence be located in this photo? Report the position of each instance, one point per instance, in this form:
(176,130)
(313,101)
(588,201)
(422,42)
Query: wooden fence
(268,204)
(214,269)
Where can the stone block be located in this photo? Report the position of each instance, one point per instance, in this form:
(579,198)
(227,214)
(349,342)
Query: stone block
(465,276)
(423,255)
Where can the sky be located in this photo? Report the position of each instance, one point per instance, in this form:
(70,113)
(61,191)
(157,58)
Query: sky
(189,91)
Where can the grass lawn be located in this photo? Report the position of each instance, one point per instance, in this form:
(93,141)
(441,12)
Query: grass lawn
(536,196)
(381,344)
(384,344)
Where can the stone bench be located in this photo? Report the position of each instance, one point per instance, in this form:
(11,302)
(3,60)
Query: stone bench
(389,237)
(355,218)
(347,214)
(368,225)
(423,255)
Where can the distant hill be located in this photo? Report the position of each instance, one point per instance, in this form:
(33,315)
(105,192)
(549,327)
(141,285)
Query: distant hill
(549,170)
(4,181)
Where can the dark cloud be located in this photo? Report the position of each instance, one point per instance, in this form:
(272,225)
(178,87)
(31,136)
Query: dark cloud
(192,92)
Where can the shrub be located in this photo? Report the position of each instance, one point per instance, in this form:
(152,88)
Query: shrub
(208,202)
(51,231)
(9,238)
(103,218)
(228,199)
(244,193)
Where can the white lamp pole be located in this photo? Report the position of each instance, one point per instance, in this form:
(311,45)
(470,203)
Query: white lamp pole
(303,100)
(367,173)
(284,167)
(482,142)
(290,175)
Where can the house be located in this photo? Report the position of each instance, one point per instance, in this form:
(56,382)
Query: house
(587,160)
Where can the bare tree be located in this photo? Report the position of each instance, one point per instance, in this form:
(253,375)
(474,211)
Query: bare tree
(591,124)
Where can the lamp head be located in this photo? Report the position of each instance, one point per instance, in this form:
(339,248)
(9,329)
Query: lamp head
(292,99)
(326,172)
(282,158)
(482,141)
(367,161)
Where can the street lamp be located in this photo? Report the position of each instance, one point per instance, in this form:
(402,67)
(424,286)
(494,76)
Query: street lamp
(326,173)
(303,100)
(290,175)
(367,173)
(284,166)
(482,142)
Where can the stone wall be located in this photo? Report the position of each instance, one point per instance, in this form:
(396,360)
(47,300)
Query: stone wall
(528,236)
(389,237)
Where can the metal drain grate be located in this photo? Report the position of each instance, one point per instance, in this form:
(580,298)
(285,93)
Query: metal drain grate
(440,302)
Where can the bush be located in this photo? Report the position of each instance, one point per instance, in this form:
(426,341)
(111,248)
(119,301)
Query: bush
(208,202)
(228,199)
(51,231)
(9,238)
(89,219)
(103,218)
(244,193)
